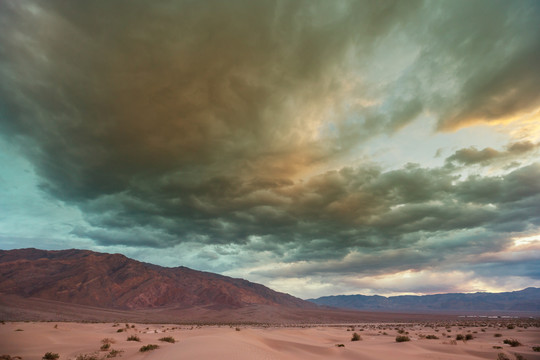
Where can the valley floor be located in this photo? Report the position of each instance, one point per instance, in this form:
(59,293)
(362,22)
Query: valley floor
(31,340)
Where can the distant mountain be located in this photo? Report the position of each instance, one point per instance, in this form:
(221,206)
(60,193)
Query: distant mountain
(114,281)
(524,300)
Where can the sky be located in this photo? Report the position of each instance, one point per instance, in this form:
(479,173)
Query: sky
(316,147)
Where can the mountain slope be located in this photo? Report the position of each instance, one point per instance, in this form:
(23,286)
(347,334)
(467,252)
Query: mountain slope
(114,281)
(524,300)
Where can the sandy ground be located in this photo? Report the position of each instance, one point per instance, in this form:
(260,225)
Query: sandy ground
(31,340)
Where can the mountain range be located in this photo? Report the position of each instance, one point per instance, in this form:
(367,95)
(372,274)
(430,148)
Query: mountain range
(114,281)
(91,286)
(516,301)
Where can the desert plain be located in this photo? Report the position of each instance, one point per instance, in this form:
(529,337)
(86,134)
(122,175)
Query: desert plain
(428,340)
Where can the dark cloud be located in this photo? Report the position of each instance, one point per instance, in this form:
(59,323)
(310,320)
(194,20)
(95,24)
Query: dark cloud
(216,123)
(472,155)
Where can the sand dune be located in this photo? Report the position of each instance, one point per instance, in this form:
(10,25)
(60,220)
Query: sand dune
(31,340)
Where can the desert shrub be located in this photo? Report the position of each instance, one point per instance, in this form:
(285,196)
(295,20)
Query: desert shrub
(19,330)
(86,357)
(512,342)
(497,335)
(114,353)
(237,329)
(50,356)
(469,337)
(536,348)
(105,347)
(120,330)
(340,345)
(356,337)
(168,339)
(497,347)
(108,341)
(402,338)
(460,337)
(401,331)
(133,338)
(148,347)
(519,357)
(432,337)
(510,326)
(7,357)
(502,356)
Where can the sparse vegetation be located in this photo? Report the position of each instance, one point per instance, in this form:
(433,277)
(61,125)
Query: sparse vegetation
(50,356)
(133,338)
(7,357)
(120,330)
(536,348)
(510,326)
(19,330)
(432,337)
(497,347)
(519,357)
(148,347)
(114,353)
(356,337)
(168,339)
(512,342)
(108,341)
(105,347)
(497,335)
(340,345)
(237,329)
(502,356)
(460,337)
(87,357)
(402,338)
(469,337)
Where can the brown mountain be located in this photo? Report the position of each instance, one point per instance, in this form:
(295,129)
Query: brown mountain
(114,281)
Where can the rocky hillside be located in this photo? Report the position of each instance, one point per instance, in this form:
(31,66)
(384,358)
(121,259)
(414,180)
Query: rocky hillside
(115,281)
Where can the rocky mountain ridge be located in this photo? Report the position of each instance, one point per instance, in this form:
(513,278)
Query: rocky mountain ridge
(114,281)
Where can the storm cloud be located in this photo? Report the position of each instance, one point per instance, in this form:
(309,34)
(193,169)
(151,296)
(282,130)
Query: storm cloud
(245,124)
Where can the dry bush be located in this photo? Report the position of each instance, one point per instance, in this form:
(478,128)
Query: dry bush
(168,339)
(512,342)
(148,347)
(50,356)
(402,338)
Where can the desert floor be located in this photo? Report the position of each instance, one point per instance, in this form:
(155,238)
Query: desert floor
(31,340)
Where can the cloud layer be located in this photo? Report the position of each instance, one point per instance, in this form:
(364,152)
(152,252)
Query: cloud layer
(233,125)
